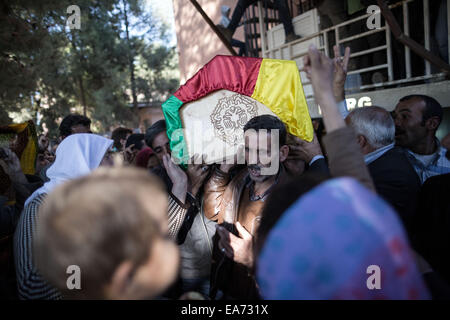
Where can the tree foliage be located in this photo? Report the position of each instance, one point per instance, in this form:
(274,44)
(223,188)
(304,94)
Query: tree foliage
(49,70)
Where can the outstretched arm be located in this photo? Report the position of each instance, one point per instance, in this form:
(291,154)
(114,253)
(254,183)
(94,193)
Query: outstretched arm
(345,157)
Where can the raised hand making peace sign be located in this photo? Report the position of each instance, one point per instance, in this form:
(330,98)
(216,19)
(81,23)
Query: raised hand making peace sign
(340,72)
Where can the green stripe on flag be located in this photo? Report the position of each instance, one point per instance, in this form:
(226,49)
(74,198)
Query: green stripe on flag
(175,130)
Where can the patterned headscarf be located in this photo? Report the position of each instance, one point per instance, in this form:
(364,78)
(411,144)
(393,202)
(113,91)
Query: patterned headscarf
(326,244)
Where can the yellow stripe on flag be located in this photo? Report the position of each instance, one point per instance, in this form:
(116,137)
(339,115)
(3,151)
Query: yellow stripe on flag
(28,158)
(279,88)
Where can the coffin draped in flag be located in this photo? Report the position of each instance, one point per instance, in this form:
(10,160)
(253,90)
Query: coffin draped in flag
(226,93)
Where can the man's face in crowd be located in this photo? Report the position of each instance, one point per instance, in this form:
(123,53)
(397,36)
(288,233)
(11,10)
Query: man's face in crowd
(79,128)
(361,140)
(43,142)
(161,145)
(258,154)
(409,127)
(43,159)
(135,151)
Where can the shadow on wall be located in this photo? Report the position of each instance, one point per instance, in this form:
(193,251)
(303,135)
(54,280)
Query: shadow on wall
(197,43)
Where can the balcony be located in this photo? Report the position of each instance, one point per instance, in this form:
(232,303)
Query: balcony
(381,69)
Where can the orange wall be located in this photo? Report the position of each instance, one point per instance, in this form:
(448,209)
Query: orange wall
(197,43)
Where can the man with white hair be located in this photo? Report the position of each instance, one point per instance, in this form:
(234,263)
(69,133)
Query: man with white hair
(394,177)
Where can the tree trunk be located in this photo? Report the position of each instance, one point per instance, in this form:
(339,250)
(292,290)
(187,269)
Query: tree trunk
(83,97)
(131,58)
(80,81)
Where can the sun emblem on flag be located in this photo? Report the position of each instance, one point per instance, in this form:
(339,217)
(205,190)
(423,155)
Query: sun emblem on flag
(230,116)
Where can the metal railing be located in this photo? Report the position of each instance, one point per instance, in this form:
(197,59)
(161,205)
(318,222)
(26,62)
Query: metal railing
(267,9)
(253,25)
(394,75)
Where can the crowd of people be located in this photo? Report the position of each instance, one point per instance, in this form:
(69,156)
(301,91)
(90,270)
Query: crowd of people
(370,192)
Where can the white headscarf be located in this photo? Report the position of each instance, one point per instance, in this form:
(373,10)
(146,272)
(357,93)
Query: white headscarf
(76,156)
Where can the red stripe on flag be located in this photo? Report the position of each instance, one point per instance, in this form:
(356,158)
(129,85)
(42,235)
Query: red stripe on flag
(237,74)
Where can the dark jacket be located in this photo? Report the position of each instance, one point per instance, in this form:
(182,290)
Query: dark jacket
(432,224)
(221,203)
(397,182)
(319,166)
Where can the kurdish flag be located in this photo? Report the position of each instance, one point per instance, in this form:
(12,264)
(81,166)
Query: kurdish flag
(274,83)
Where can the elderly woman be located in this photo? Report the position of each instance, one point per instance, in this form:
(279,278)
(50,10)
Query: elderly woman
(76,156)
